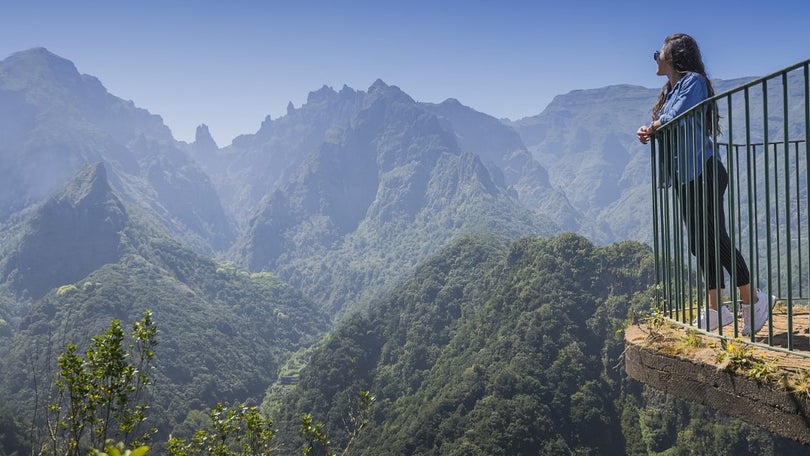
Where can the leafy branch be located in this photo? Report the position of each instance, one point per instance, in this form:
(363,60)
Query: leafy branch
(97,395)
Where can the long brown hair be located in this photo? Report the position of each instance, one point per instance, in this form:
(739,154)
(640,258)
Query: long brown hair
(682,51)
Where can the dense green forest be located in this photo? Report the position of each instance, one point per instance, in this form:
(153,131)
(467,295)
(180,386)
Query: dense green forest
(492,347)
(224,332)
(497,348)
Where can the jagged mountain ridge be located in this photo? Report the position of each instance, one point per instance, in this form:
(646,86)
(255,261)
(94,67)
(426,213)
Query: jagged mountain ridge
(595,183)
(586,140)
(374,205)
(393,181)
(74,233)
(255,164)
(54,121)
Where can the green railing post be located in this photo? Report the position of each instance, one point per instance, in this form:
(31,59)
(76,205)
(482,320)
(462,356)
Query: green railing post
(785,148)
(807,157)
(654,193)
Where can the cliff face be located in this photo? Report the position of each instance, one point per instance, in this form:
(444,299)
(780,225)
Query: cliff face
(72,234)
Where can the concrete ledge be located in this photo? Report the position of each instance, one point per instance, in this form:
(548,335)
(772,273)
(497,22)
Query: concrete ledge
(698,379)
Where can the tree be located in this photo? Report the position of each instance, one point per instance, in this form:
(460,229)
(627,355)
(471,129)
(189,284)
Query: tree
(317,441)
(98,395)
(236,431)
(243,431)
(98,402)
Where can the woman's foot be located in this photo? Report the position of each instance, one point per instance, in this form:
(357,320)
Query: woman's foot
(726,318)
(761,310)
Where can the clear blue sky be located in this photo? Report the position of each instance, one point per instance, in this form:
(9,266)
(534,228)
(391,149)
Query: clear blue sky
(231,63)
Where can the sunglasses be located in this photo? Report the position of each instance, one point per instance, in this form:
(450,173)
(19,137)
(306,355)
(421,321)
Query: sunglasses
(656,54)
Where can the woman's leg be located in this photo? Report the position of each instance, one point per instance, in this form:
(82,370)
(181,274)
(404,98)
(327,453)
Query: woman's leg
(727,250)
(714,298)
(754,315)
(745,294)
(700,212)
(696,208)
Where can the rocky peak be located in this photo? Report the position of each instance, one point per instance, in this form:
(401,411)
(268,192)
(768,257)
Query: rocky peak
(203,141)
(72,234)
(89,184)
(382,91)
(324,94)
(347,91)
(42,63)
(47,77)
(378,85)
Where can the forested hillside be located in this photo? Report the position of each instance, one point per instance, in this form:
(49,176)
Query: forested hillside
(223,332)
(504,349)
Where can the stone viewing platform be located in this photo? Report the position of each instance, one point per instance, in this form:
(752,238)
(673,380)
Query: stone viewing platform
(766,387)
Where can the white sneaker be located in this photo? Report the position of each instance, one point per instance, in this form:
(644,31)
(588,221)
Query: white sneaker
(726,316)
(761,308)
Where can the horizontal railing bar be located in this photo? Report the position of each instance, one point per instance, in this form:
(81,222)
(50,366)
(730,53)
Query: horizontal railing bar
(741,88)
(771,143)
(758,81)
(768,347)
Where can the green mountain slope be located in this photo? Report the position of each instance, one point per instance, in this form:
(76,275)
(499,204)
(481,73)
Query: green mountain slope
(223,332)
(64,241)
(389,190)
(472,349)
(499,349)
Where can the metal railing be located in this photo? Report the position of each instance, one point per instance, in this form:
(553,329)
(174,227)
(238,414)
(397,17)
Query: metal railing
(759,133)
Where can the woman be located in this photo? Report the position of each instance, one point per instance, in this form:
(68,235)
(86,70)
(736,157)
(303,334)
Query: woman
(694,171)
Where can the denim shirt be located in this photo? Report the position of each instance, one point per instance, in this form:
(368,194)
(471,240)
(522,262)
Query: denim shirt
(694,144)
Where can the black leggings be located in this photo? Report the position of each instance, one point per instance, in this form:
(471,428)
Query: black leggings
(692,198)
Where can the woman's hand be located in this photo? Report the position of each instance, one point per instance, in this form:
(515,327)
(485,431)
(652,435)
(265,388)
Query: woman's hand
(644,133)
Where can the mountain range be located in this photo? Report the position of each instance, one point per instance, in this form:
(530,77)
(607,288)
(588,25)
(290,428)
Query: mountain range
(396,169)
(331,195)
(56,121)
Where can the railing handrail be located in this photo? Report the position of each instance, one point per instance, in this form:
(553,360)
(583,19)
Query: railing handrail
(758,81)
(740,88)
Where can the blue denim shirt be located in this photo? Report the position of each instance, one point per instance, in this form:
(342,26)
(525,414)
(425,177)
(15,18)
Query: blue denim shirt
(694,144)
